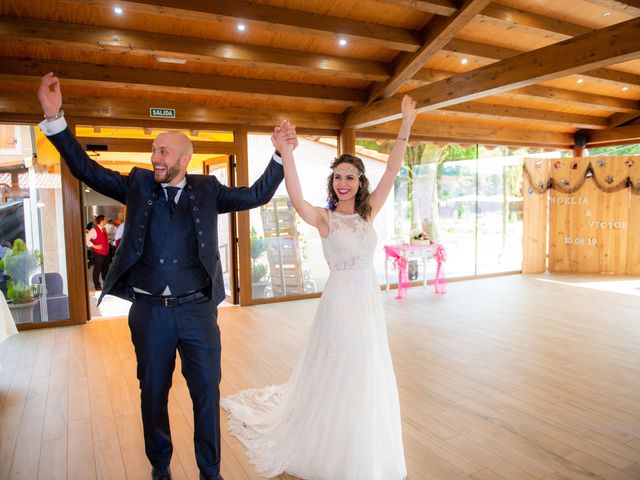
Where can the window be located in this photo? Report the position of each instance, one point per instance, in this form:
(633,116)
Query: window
(468,198)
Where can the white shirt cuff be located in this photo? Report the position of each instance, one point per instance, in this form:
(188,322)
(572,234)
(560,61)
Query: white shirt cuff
(53,127)
(277,158)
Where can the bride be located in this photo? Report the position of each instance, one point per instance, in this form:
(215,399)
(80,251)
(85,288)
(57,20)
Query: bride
(338,416)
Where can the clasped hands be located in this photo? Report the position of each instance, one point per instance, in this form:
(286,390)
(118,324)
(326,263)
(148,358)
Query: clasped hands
(284,137)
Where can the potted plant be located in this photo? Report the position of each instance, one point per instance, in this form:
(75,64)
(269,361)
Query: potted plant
(19,264)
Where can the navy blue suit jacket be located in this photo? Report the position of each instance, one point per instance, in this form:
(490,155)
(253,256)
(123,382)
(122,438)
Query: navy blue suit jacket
(207,198)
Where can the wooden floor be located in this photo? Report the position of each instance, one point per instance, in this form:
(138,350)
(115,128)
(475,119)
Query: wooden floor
(517,377)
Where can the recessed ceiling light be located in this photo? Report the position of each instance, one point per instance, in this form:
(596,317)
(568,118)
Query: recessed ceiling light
(342,42)
(625,88)
(179,61)
(606,14)
(118,10)
(241,27)
(464,61)
(580,80)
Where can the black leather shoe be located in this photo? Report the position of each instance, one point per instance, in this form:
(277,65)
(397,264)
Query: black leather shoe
(161,473)
(210,477)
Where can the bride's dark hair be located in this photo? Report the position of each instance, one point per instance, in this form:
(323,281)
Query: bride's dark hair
(362,206)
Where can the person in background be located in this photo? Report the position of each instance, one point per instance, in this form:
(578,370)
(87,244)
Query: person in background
(92,223)
(98,240)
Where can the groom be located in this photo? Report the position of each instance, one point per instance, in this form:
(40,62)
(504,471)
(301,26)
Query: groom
(168,265)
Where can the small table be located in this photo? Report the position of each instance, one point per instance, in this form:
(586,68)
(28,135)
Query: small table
(423,251)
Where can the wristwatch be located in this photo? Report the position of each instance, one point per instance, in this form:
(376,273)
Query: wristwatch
(55,116)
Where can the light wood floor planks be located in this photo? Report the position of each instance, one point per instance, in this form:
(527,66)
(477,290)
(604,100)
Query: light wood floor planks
(520,377)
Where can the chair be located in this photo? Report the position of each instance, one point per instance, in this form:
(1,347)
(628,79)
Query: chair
(57,301)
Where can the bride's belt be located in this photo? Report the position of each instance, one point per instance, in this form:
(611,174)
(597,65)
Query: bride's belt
(355,263)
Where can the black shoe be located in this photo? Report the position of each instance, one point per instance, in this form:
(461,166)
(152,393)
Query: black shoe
(161,473)
(210,477)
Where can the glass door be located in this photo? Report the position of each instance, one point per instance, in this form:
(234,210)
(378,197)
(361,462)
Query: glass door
(220,167)
(33,268)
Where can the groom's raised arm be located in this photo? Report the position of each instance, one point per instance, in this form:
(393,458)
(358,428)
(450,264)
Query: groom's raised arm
(54,126)
(262,190)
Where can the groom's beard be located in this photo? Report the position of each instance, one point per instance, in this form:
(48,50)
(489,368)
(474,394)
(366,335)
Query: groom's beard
(166,175)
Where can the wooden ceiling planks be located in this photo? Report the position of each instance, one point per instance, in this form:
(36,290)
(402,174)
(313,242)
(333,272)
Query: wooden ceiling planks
(288,60)
(597,49)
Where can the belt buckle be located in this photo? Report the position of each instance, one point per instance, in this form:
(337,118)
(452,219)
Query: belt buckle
(171,301)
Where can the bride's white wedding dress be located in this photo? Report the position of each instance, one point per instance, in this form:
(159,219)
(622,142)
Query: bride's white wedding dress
(338,416)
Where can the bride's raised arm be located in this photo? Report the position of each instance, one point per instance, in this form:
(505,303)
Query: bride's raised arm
(394,162)
(284,139)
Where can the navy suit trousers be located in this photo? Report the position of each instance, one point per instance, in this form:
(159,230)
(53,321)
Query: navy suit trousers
(191,329)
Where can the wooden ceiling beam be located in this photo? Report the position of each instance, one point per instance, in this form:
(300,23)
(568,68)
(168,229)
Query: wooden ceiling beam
(491,52)
(177,82)
(271,18)
(614,75)
(530,115)
(520,20)
(436,34)
(621,135)
(541,93)
(130,108)
(131,42)
(615,44)
(446,8)
(100,75)
(428,75)
(483,51)
(448,132)
(573,98)
(632,7)
(620,119)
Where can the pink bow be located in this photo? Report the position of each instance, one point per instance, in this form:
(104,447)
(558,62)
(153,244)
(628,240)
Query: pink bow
(441,256)
(400,263)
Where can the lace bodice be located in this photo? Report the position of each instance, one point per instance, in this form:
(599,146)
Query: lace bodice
(351,242)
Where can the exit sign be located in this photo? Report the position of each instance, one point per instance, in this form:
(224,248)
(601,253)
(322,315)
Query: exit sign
(162,112)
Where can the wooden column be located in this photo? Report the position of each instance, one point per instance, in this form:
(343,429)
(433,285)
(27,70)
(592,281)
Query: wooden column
(76,255)
(244,223)
(534,238)
(347,141)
